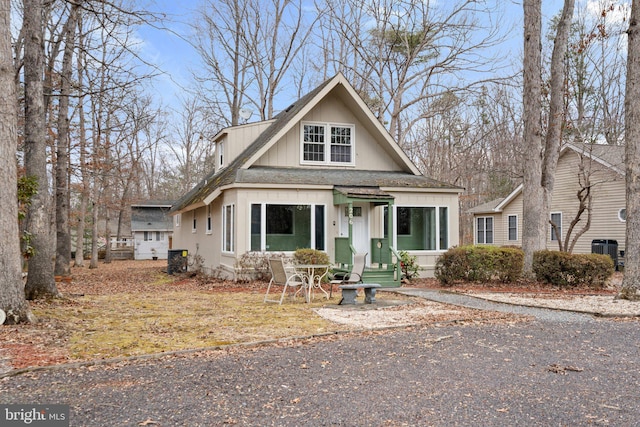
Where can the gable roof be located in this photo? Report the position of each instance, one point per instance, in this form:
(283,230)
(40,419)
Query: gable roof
(237,171)
(151,216)
(487,207)
(610,156)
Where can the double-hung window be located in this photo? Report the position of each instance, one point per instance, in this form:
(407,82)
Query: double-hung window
(228,228)
(327,143)
(209,225)
(149,236)
(556,218)
(512,225)
(484,230)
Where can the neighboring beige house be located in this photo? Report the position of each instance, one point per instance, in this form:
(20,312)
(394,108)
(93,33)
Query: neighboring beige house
(499,222)
(323,174)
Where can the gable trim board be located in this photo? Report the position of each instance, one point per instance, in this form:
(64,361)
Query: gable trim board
(268,171)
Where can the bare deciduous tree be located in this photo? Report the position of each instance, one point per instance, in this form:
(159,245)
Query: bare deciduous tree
(40,279)
(541,151)
(631,280)
(12,297)
(63,229)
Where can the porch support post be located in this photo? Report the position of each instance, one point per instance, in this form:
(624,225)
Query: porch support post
(390,222)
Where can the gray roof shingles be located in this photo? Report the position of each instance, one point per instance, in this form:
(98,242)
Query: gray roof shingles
(233,173)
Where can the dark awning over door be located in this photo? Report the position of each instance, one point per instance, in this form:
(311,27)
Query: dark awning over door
(342,195)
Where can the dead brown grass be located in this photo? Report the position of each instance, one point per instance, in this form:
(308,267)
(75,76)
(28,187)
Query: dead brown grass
(133,307)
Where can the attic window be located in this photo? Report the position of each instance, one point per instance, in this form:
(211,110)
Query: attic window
(622,215)
(327,143)
(220,154)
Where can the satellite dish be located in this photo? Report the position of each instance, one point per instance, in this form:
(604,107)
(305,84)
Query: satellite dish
(245,113)
(3,317)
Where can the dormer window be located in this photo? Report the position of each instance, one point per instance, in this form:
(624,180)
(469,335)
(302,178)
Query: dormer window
(327,143)
(220,154)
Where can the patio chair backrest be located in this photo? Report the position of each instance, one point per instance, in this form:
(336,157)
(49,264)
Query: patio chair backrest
(278,272)
(359,261)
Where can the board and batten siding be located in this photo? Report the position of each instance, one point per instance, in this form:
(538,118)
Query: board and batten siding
(237,139)
(369,154)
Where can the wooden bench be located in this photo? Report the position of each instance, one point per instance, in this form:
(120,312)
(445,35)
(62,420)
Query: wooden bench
(349,292)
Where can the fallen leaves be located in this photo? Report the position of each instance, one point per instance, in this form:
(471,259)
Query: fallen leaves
(562,370)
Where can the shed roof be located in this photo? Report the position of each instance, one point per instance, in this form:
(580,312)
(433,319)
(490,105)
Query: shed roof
(150,218)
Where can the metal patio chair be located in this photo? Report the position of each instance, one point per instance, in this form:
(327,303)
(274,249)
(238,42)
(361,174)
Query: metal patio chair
(288,279)
(353,277)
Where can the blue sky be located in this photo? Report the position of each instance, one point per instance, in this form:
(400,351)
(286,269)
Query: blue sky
(170,53)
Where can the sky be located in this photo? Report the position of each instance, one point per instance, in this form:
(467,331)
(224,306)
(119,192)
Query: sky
(171,53)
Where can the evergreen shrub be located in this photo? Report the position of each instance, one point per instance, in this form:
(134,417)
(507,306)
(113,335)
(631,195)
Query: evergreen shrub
(479,264)
(568,270)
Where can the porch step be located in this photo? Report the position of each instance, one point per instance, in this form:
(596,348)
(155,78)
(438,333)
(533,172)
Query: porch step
(383,277)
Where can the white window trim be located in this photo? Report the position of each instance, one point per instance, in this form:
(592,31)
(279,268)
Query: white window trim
(551,227)
(178,218)
(620,217)
(263,222)
(394,232)
(194,223)
(224,229)
(220,154)
(327,143)
(517,228)
(209,223)
(493,230)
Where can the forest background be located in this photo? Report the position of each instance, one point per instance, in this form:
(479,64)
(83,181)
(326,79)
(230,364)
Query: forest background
(444,78)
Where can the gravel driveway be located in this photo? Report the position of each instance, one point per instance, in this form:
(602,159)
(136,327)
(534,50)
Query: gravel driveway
(543,373)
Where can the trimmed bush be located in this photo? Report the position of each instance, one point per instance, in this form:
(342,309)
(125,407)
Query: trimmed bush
(310,256)
(567,270)
(479,264)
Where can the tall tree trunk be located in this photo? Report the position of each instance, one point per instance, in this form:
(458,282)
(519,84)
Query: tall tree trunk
(94,231)
(553,140)
(534,222)
(631,280)
(63,236)
(12,298)
(84,192)
(40,280)
(541,160)
(84,173)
